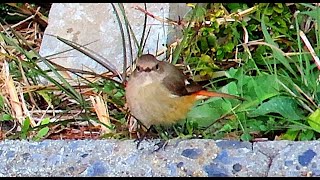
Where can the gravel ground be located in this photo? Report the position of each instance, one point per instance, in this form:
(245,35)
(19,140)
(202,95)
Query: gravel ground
(195,157)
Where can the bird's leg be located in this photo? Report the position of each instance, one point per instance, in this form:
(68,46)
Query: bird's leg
(163,142)
(161,145)
(143,137)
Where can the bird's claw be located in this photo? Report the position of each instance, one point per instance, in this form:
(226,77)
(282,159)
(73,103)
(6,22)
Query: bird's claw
(139,140)
(161,145)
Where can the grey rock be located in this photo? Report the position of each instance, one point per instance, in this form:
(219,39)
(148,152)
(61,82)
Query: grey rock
(232,144)
(292,158)
(195,157)
(192,153)
(270,148)
(96,23)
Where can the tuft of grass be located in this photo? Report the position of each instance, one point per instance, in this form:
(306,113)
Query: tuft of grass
(64,105)
(265,52)
(264,62)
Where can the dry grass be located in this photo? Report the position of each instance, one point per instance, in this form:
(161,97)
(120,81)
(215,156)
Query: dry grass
(25,98)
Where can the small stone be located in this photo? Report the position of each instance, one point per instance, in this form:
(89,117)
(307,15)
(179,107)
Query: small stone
(84,155)
(237,167)
(71,169)
(172,169)
(73,145)
(224,144)
(223,157)
(189,172)
(96,169)
(306,173)
(53,159)
(180,164)
(306,157)
(288,163)
(214,171)
(10,154)
(309,174)
(316,172)
(313,165)
(26,156)
(37,156)
(191,153)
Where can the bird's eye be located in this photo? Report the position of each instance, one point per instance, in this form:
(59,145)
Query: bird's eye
(157,67)
(138,68)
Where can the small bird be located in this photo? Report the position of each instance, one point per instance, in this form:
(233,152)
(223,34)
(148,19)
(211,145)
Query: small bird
(157,92)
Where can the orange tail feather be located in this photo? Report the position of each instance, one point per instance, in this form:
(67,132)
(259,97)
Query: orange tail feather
(203,94)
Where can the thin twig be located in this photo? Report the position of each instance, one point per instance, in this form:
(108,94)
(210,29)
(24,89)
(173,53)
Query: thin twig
(157,17)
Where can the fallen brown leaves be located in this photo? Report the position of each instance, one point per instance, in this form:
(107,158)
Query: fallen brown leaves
(23,98)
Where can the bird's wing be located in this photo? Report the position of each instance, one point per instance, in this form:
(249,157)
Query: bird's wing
(175,81)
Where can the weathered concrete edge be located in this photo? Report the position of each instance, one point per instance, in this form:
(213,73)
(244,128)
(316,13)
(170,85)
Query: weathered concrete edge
(121,158)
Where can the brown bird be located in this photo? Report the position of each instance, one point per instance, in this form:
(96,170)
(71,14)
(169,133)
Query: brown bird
(157,93)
